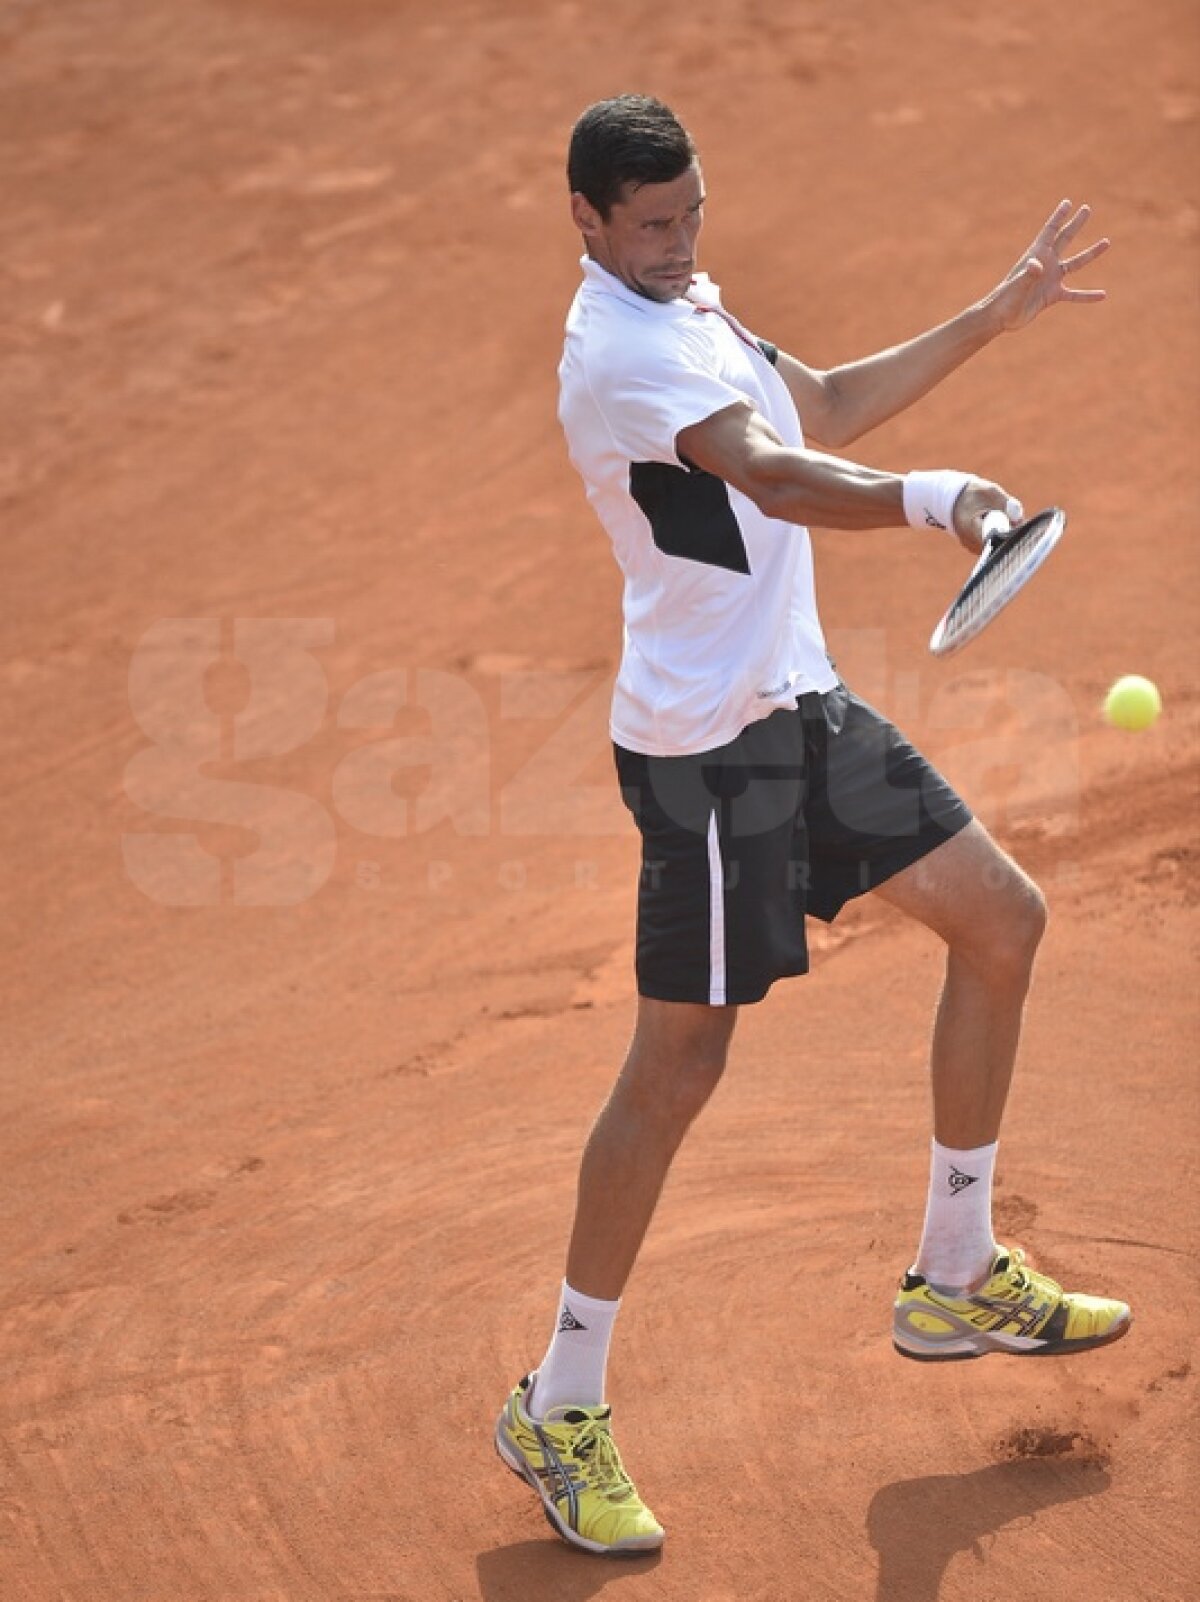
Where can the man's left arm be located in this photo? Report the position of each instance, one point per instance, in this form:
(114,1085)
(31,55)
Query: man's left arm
(839,406)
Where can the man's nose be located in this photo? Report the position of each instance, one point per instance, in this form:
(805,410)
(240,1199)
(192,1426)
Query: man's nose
(681,239)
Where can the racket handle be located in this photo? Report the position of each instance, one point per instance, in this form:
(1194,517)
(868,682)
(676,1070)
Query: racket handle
(996,525)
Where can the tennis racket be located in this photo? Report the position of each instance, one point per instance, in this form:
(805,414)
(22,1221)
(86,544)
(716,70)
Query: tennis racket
(1010,558)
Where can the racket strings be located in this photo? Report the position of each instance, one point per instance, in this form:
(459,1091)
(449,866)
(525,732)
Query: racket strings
(1007,565)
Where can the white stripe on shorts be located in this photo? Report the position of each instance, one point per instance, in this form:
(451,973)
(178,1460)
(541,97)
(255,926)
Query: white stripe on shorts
(716,916)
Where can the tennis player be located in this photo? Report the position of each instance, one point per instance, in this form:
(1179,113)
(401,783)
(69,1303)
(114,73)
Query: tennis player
(765,790)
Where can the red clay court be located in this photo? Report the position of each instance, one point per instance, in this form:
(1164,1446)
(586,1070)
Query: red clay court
(319,889)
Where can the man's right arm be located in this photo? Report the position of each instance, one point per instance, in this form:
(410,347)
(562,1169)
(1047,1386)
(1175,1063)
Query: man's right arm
(737,444)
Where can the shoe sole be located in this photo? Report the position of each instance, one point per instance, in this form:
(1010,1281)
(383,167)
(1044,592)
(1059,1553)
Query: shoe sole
(572,1537)
(1061,1349)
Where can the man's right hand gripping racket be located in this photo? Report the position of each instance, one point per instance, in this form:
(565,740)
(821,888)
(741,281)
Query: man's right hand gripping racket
(1010,558)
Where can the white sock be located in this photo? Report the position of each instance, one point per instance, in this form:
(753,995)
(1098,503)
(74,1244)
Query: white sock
(957,1245)
(572,1371)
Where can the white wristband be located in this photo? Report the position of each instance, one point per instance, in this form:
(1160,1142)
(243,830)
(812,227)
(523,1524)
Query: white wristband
(929,498)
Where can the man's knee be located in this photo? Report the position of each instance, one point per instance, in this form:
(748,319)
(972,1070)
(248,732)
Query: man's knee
(677,1058)
(1025,924)
(1003,938)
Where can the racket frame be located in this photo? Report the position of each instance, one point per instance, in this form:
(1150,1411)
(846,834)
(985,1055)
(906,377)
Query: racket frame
(998,532)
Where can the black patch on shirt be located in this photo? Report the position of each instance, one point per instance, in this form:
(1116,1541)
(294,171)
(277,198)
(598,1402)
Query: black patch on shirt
(689,514)
(771,352)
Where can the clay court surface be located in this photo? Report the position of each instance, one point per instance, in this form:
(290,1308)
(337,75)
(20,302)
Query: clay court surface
(319,893)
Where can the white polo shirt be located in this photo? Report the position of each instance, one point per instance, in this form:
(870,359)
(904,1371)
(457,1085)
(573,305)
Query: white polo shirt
(721,622)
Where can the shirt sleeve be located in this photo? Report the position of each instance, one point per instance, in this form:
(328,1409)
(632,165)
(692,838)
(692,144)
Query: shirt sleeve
(654,392)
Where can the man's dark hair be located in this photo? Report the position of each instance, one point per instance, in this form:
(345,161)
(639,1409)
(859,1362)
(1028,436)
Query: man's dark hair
(632,139)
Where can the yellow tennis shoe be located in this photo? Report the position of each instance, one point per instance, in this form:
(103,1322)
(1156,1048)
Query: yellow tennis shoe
(1016,1311)
(572,1462)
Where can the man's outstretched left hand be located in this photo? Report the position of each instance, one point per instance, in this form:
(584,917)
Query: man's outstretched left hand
(1039,278)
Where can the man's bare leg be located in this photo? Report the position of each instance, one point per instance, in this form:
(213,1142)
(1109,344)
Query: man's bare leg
(675,1060)
(991,916)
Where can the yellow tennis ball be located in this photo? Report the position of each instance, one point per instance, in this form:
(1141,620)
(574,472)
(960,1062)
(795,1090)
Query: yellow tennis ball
(1133,702)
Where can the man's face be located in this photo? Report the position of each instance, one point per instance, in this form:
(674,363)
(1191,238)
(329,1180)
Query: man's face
(649,238)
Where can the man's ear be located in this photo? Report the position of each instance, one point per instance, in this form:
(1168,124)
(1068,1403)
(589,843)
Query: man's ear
(584,215)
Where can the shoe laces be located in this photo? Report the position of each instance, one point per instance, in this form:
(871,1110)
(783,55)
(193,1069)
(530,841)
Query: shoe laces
(1017,1273)
(1022,1278)
(595,1448)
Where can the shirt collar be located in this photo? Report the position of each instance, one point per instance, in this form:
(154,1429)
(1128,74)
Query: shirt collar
(703,292)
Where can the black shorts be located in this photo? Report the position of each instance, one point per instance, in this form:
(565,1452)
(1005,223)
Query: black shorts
(805,810)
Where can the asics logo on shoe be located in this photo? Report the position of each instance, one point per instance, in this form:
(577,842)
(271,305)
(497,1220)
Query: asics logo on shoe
(995,1313)
(1025,1316)
(568,1321)
(959,1180)
(558,1477)
(560,1485)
